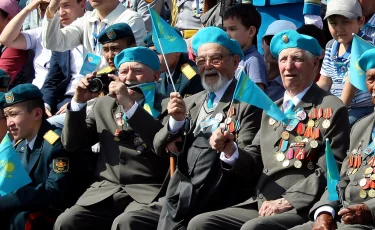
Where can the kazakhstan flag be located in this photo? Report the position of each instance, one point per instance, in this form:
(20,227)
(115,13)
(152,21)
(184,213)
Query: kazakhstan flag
(148,90)
(333,175)
(357,75)
(247,91)
(170,41)
(12,173)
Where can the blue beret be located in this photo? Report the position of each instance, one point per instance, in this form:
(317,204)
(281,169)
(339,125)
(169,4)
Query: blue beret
(138,54)
(292,39)
(20,93)
(367,60)
(215,35)
(115,32)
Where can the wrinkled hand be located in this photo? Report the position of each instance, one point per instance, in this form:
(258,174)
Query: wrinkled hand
(223,142)
(176,107)
(273,207)
(356,214)
(48,113)
(324,222)
(82,94)
(172,146)
(119,91)
(62,109)
(35,4)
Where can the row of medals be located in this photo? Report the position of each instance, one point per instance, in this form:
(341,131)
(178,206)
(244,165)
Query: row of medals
(138,142)
(311,133)
(368,180)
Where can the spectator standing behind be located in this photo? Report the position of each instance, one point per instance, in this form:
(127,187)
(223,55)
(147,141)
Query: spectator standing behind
(368,8)
(141,7)
(85,30)
(69,11)
(275,89)
(35,18)
(344,18)
(4,84)
(242,22)
(58,177)
(11,60)
(183,70)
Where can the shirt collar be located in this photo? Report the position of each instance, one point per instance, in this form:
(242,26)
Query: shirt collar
(31,143)
(296,99)
(219,94)
(111,17)
(249,50)
(371,22)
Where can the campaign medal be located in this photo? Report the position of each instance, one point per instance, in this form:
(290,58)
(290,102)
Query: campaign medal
(327,115)
(371,193)
(117,134)
(285,135)
(301,115)
(286,163)
(280,156)
(298,164)
(363,194)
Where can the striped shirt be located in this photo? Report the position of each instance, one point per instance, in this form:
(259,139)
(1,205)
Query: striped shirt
(336,67)
(369,27)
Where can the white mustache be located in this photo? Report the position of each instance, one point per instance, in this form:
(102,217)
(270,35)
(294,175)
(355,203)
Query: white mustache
(211,71)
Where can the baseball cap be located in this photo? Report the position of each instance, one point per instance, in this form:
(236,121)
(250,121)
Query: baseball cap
(10,6)
(278,26)
(348,8)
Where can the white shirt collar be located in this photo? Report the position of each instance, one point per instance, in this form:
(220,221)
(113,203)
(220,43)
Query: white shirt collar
(219,94)
(296,99)
(94,17)
(31,143)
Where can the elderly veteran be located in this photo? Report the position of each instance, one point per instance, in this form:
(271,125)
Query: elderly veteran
(114,39)
(127,172)
(293,154)
(58,177)
(183,70)
(357,184)
(198,163)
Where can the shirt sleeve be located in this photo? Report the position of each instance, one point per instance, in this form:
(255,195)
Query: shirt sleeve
(325,208)
(174,125)
(256,70)
(31,37)
(74,106)
(131,111)
(138,27)
(231,160)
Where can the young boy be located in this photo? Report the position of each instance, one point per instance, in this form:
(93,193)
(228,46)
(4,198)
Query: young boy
(344,18)
(242,22)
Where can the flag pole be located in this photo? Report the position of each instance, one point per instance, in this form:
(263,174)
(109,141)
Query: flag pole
(166,64)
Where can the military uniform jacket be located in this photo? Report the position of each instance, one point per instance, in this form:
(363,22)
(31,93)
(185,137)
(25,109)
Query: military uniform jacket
(119,166)
(197,161)
(350,185)
(58,177)
(181,81)
(302,187)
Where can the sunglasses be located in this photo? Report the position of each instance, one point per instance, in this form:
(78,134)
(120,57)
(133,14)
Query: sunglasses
(267,39)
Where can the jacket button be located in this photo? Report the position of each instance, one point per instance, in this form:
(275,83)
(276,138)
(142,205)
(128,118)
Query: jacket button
(265,170)
(122,161)
(355,183)
(364,163)
(260,196)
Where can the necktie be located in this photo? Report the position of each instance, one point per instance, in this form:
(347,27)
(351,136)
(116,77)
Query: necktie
(210,100)
(288,106)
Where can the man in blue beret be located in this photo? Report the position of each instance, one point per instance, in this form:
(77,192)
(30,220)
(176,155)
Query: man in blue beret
(206,151)
(128,173)
(357,208)
(183,70)
(58,177)
(288,160)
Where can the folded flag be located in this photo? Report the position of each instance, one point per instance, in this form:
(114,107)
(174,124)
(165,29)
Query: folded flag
(333,175)
(148,90)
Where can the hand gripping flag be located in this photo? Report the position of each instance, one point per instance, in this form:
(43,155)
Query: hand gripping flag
(12,173)
(247,91)
(170,41)
(357,75)
(333,175)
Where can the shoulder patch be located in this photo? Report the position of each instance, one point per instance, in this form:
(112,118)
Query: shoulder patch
(51,137)
(61,165)
(188,71)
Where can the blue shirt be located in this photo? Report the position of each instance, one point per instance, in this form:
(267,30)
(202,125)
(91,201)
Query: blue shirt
(369,27)
(336,67)
(253,65)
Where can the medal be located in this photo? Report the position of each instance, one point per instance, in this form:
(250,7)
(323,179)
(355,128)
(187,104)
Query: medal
(300,154)
(310,166)
(372,177)
(320,113)
(313,144)
(228,120)
(301,115)
(362,182)
(286,163)
(306,140)
(326,124)
(298,164)
(219,117)
(311,123)
(316,124)
(285,135)
(363,194)
(298,139)
(368,170)
(280,156)
(354,171)
(349,172)
(371,193)
(367,185)
(117,133)
(232,127)
(290,154)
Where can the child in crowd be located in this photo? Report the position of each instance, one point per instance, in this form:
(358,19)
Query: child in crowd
(344,18)
(242,23)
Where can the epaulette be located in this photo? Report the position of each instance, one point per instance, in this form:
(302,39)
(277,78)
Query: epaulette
(51,137)
(188,71)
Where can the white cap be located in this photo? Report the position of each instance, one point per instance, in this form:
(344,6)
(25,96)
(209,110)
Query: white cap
(278,26)
(350,9)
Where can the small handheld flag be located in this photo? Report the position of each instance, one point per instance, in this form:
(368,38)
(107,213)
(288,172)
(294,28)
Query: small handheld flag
(12,173)
(333,175)
(148,90)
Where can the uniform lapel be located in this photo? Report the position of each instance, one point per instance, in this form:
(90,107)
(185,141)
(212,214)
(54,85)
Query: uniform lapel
(196,107)
(367,138)
(37,148)
(227,98)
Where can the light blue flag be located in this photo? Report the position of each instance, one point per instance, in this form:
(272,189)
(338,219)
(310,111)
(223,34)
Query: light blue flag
(333,175)
(357,75)
(12,173)
(247,91)
(170,41)
(148,90)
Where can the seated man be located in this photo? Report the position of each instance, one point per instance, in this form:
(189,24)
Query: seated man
(356,189)
(128,173)
(195,187)
(58,177)
(183,70)
(293,177)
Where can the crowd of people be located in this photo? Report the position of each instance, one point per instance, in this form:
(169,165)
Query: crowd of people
(116,132)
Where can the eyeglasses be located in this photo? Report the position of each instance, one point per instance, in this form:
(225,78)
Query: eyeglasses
(267,39)
(215,59)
